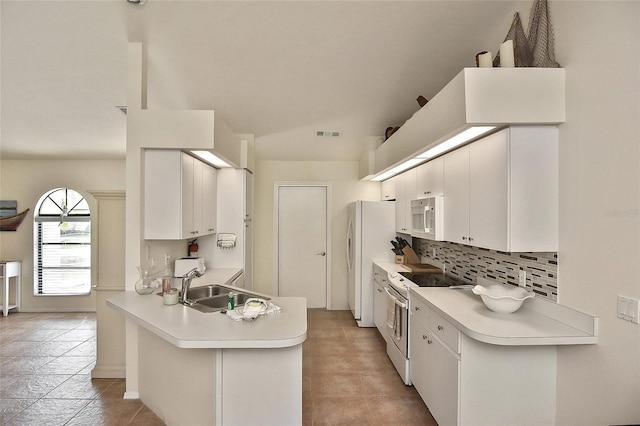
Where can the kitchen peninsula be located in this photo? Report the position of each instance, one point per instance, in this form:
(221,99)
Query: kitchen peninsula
(204,368)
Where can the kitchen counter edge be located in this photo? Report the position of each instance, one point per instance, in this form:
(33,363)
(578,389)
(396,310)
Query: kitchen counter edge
(538,322)
(185,327)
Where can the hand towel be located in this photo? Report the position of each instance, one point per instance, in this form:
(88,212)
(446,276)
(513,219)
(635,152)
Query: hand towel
(391,312)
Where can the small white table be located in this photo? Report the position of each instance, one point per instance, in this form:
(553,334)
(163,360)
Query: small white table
(10,269)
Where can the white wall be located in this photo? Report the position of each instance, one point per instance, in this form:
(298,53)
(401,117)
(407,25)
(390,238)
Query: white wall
(598,43)
(345,188)
(26,181)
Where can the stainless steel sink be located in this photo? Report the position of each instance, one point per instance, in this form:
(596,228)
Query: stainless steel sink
(214,298)
(211,304)
(206,291)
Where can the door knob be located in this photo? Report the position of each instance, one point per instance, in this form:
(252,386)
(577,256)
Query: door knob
(322,253)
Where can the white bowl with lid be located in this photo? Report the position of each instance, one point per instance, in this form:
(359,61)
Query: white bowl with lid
(501,298)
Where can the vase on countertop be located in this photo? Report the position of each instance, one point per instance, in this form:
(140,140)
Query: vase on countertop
(146,284)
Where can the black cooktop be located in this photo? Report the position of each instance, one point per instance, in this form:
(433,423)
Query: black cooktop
(433,280)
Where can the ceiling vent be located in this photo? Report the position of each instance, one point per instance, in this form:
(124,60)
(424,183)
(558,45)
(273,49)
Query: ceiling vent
(326,134)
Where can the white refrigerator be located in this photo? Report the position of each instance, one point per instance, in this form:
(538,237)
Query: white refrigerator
(371,227)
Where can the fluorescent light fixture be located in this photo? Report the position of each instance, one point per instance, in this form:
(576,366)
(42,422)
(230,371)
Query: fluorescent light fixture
(452,142)
(211,158)
(398,169)
(459,139)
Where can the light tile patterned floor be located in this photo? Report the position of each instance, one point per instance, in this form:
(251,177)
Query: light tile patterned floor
(348,378)
(45,375)
(46,361)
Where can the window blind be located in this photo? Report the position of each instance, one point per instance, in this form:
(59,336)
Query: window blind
(64,256)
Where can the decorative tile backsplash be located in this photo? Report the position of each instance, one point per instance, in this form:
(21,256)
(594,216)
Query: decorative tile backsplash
(468,263)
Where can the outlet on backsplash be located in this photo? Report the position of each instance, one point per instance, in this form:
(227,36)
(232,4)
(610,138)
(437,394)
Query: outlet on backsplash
(522,278)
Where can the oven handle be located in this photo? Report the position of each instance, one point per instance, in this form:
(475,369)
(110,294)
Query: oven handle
(395,299)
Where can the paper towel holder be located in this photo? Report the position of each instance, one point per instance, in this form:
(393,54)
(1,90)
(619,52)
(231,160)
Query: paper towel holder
(226,240)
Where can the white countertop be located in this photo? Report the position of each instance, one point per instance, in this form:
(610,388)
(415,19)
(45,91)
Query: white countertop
(538,322)
(527,326)
(186,327)
(391,266)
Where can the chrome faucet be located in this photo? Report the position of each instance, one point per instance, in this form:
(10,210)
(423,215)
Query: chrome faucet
(186,283)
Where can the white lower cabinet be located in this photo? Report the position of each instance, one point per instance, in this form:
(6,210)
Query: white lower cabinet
(380,279)
(434,370)
(466,382)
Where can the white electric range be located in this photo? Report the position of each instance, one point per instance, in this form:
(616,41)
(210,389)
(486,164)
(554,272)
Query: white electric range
(398,305)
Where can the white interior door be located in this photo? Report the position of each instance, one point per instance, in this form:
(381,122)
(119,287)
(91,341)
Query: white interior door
(302,243)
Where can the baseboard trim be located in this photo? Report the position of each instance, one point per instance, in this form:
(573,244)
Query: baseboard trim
(108,372)
(57,310)
(131,395)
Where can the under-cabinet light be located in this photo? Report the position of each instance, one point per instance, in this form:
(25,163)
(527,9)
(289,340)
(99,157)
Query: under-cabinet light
(211,158)
(452,142)
(459,139)
(398,169)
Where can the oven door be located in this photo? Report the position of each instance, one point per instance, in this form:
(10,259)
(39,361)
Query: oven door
(397,320)
(398,332)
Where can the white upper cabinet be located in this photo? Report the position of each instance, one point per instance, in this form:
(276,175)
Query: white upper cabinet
(398,185)
(209,199)
(488,192)
(501,192)
(199,198)
(388,190)
(405,189)
(191,196)
(429,178)
(456,199)
(180,196)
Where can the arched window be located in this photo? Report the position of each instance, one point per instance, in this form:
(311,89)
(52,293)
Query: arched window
(62,244)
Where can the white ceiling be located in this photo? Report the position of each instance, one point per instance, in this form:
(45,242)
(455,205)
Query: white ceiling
(279,70)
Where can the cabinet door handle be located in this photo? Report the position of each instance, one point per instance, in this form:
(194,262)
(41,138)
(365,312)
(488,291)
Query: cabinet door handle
(379,291)
(470,239)
(440,328)
(424,336)
(429,342)
(464,238)
(417,308)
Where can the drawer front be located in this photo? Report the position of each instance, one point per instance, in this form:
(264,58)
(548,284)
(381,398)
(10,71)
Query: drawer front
(420,310)
(380,275)
(445,331)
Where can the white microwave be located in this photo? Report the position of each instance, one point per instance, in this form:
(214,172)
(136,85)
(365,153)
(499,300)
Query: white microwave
(427,218)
